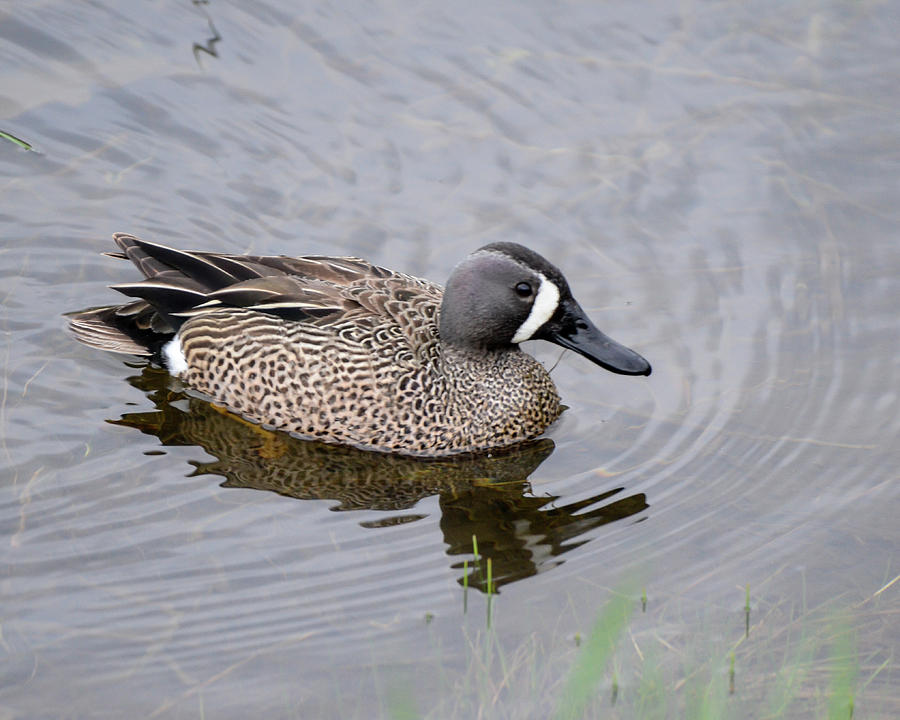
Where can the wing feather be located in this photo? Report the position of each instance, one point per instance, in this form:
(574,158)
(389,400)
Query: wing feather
(314,289)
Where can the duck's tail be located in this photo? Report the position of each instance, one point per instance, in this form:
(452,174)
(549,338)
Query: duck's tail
(131,329)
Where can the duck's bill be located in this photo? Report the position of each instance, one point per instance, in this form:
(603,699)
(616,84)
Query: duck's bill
(572,329)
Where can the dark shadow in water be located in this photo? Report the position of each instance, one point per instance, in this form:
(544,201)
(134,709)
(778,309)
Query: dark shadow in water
(210,47)
(483,496)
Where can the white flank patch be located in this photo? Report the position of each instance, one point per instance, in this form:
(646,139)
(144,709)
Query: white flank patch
(174,358)
(542,310)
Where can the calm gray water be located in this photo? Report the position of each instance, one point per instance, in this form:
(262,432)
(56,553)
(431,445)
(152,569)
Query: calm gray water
(721,184)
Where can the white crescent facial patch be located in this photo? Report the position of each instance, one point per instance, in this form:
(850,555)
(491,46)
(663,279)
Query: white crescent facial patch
(542,310)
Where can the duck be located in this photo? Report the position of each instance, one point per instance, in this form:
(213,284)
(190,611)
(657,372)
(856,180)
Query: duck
(343,351)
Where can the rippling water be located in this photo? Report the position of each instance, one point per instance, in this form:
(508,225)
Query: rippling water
(718,182)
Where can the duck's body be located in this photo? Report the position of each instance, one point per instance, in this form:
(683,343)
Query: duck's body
(343,351)
(359,381)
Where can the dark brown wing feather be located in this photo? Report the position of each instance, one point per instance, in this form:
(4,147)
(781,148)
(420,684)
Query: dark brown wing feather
(316,289)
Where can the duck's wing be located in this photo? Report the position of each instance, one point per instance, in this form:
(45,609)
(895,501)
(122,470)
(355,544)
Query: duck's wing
(179,284)
(323,290)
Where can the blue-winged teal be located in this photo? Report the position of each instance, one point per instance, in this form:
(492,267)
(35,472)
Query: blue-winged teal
(340,350)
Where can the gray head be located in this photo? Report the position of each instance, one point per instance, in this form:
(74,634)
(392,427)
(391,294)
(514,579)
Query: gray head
(504,294)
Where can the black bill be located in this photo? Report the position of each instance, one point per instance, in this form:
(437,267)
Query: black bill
(571,328)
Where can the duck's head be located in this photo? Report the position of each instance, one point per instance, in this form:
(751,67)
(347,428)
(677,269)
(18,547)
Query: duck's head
(504,294)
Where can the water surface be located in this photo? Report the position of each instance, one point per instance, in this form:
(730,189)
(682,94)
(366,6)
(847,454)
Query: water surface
(717,181)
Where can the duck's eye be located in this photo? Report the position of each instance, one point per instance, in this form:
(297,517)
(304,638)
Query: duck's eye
(523,289)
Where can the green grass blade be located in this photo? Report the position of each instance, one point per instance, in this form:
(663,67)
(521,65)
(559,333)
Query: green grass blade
(15,141)
(844,672)
(590,666)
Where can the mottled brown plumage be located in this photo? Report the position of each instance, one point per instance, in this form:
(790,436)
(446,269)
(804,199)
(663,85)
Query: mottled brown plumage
(347,352)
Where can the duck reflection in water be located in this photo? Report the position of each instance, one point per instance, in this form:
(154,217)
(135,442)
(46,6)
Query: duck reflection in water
(485,496)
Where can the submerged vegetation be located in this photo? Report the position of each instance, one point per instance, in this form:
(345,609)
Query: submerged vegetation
(590,666)
(788,664)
